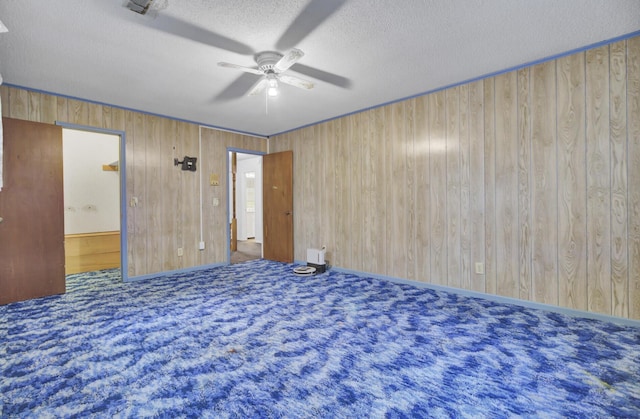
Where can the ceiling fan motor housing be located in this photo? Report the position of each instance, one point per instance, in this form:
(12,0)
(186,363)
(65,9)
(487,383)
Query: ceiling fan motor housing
(267,60)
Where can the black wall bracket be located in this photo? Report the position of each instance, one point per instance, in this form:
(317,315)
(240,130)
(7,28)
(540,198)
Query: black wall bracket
(188,163)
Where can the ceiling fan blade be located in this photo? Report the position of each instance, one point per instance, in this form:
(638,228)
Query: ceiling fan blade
(259,87)
(295,81)
(169,24)
(287,60)
(241,68)
(316,12)
(325,76)
(237,89)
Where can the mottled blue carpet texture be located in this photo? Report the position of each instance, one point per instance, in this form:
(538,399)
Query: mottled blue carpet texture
(253,340)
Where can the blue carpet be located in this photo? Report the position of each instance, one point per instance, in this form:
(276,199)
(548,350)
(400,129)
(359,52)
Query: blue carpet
(253,340)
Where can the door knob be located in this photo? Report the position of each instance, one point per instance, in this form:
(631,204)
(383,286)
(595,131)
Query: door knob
(287,213)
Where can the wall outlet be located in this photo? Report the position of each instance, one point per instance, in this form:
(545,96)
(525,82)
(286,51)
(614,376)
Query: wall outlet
(201,245)
(180,251)
(480,268)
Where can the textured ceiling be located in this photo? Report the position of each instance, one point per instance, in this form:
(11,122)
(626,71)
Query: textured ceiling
(358,53)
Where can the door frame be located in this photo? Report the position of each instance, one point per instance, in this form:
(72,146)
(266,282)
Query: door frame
(124,260)
(228,186)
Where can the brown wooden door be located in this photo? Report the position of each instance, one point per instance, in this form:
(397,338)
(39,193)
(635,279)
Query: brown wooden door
(277,193)
(32,209)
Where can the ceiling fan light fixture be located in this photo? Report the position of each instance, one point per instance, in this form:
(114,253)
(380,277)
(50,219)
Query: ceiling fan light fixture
(273,87)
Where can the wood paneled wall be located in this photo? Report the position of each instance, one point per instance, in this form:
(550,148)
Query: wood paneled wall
(167,215)
(535,173)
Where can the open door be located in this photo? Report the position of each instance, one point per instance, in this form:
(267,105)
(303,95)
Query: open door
(277,192)
(91,172)
(245,206)
(32,212)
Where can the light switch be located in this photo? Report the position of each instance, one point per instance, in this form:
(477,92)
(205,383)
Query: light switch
(216,202)
(214,179)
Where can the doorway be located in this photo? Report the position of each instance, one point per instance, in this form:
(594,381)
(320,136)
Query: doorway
(245,206)
(92,200)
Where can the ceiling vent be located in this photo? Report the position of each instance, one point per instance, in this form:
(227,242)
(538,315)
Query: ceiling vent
(139,6)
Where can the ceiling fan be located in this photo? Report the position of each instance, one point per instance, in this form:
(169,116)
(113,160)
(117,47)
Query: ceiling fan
(271,66)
